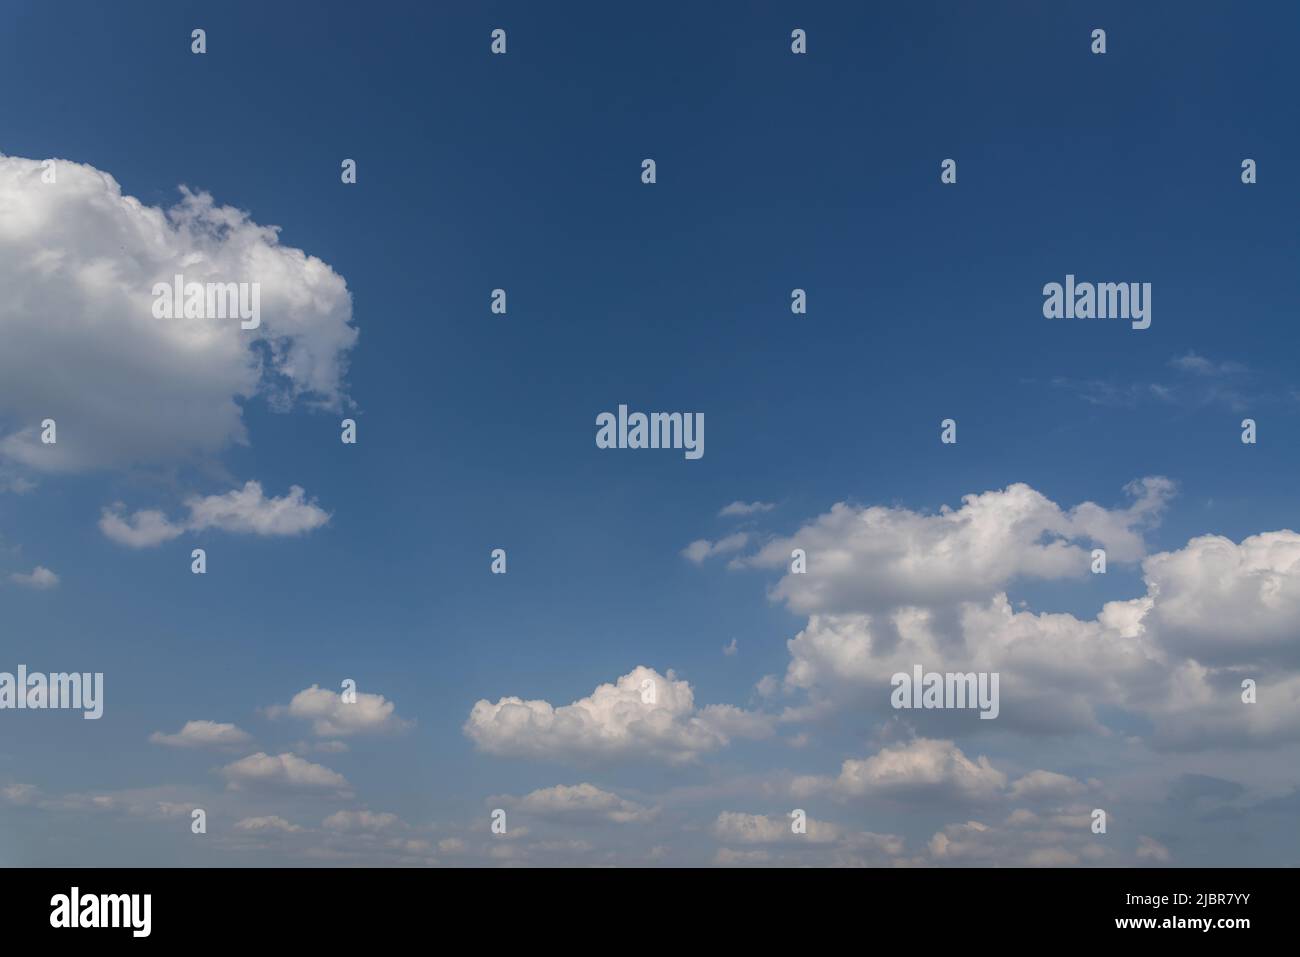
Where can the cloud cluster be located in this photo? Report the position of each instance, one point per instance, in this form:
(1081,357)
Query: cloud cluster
(887,589)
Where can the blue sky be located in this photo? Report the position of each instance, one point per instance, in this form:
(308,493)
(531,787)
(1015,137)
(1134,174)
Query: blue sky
(775,171)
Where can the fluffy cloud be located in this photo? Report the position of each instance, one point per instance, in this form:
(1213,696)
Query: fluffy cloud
(332,717)
(203,734)
(879,559)
(39,577)
(742,509)
(1224,603)
(243,510)
(642,715)
(584,802)
(282,771)
(78,263)
(1213,613)
(923,768)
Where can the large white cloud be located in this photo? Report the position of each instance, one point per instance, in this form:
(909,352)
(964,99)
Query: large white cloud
(642,715)
(892,594)
(877,558)
(78,263)
(1224,603)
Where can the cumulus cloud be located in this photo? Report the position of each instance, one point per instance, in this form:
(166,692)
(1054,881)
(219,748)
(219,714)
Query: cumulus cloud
(701,549)
(203,734)
(78,263)
(39,577)
(922,768)
(333,717)
(1226,603)
(282,771)
(243,510)
(879,559)
(584,803)
(905,588)
(642,715)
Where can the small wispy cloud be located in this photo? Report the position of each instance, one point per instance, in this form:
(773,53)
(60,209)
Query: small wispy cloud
(701,549)
(39,577)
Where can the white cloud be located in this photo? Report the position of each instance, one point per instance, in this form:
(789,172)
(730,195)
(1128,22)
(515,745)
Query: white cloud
(39,577)
(923,768)
(742,509)
(364,821)
(1224,603)
(701,549)
(1214,612)
(78,263)
(1045,785)
(332,717)
(203,734)
(879,559)
(244,510)
(584,802)
(286,771)
(1061,838)
(735,827)
(616,720)
(261,825)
